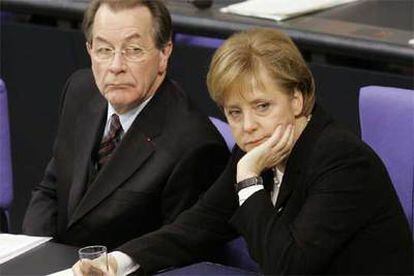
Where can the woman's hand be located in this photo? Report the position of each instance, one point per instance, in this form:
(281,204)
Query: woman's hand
(268,154)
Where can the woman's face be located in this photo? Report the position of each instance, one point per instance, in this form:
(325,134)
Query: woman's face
(254,115)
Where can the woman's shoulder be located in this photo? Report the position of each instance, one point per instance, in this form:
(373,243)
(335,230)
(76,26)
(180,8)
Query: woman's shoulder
(338,146)
(326,135)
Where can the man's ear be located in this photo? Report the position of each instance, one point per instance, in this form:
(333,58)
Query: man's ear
(165,54)
(297,103)
(89,49)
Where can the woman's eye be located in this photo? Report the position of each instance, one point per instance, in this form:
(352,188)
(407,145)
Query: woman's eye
(234,113)
(262,106)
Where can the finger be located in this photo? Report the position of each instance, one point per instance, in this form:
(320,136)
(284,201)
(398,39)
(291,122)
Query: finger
(284,155)
(280,146)
(113,264)
(290,143)
(87,267)
(291,138)
(282,149)
(275,137)
(274,153)
(95,270)
(76,269)
(280,155)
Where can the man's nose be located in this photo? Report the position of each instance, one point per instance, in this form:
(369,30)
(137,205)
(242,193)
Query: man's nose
(117,63)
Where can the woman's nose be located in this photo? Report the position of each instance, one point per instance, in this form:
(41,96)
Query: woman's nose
(249,122)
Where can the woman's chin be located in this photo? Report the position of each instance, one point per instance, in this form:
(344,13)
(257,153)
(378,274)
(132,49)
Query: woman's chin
(249,147)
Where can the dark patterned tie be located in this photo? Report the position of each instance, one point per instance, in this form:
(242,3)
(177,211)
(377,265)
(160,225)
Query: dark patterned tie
(110,141)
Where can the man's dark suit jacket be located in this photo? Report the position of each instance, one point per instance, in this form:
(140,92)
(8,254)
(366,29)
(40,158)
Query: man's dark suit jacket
(168,157)
(336,213)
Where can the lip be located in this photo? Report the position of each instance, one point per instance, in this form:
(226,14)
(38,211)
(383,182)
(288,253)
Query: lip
(117,85)
(256,141)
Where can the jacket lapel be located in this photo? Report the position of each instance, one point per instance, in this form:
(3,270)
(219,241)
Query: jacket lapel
(287,187)
(89,125)
(135,148)
(299,158)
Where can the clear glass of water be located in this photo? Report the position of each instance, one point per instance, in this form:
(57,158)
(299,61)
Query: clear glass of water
(97,254)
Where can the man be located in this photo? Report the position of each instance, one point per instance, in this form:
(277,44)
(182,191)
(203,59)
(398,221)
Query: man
(131,153)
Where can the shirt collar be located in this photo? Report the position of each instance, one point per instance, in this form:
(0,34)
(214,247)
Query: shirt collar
(128,117)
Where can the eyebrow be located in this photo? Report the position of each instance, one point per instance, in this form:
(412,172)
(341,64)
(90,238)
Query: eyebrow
(260,100)
(253,102)
(231,106)
(128,38)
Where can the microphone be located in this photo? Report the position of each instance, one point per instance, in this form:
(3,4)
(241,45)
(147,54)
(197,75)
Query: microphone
(202,4)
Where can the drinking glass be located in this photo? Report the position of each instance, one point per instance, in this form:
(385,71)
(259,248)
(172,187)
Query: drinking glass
(96,254)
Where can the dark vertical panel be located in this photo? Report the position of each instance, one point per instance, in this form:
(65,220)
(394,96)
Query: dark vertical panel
(35,62)
(189,67)
(338,89)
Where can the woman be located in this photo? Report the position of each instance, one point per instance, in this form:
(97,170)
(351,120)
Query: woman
(331,207)
(310,197)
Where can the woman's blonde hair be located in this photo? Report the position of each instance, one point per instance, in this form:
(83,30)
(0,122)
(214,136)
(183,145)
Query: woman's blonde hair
(244,56)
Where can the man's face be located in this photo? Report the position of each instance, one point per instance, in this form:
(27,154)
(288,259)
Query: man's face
(127,66)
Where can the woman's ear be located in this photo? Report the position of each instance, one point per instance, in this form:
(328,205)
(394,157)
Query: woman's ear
(297,103)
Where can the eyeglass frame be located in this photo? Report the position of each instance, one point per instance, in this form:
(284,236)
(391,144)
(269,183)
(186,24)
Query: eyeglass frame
(114,51)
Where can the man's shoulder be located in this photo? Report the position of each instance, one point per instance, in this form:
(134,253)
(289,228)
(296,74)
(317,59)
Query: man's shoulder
(80,92)
(178,106)
(83,73)
(183,118)
(81,79)
(173,92)
(80,86)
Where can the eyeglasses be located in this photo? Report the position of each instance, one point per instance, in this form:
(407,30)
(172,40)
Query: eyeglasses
(130,53)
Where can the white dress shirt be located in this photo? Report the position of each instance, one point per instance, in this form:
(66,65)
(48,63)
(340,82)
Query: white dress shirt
(126,119)
(125,263)
(249,191)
